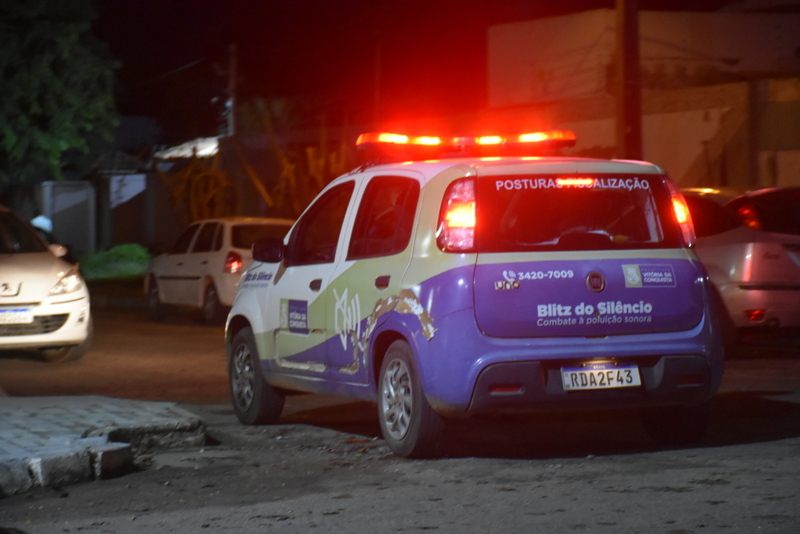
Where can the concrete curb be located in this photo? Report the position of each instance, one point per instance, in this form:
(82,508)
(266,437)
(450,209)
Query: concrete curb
(57,441)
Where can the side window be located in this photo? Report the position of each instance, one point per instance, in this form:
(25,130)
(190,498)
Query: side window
(205,239)
(181,245)
(316,235)
(385,217)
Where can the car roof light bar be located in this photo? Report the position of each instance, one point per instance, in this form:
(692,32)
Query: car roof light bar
(386,146)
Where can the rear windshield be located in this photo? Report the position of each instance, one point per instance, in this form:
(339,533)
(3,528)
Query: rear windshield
(777,211)
(17,237)
(244,235)
(590,212)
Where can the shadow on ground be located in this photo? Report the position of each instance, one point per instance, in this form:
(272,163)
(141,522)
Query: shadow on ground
(740,418)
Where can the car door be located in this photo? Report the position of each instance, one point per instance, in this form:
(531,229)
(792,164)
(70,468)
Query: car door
(169,268)
(299,291)
(197,265)
(365,283)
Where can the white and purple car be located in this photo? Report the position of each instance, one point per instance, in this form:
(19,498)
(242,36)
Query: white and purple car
(443,287)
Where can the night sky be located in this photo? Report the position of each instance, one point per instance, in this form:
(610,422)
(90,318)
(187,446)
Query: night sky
(175,53)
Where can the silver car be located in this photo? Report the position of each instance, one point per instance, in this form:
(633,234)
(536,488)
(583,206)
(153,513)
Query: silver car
(202,268)
(750,245)
(44,303)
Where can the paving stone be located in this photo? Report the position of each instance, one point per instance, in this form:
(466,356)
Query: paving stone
(55,441)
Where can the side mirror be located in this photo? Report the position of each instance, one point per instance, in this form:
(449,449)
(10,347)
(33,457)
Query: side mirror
(268,250)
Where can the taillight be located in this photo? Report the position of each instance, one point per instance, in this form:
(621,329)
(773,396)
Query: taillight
(755,316)
(749,217)
(233,263)
(456,229)
(682,215)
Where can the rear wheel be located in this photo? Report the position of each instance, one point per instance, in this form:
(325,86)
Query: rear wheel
(409,424)
(212,309)
(678,425)
(254,401)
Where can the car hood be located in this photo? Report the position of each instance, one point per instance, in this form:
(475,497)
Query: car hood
(29,276)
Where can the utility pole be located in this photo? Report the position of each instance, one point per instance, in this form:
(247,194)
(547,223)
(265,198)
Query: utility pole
(629,96)
(231,103)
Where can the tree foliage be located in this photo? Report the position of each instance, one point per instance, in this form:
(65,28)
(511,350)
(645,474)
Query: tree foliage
(55,85)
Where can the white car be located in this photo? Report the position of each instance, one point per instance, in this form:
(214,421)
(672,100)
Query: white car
(488,283)
(44,302)
(204,265)
(750,245)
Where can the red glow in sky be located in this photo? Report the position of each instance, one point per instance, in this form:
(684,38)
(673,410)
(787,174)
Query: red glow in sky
(426,57)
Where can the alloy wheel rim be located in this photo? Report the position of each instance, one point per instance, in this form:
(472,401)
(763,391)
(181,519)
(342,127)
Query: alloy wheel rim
(243,377)
(396,399)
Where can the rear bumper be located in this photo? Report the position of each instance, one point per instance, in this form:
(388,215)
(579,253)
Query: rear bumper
(781,305)
(537,386)
(460,369)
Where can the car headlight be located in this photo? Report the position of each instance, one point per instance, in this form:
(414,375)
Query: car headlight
(71,281)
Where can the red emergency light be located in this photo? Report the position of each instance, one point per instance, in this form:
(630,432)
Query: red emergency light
(397,139)
(382,146)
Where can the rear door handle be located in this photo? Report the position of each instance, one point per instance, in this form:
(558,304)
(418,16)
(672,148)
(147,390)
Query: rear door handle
(382,282)
(315,284)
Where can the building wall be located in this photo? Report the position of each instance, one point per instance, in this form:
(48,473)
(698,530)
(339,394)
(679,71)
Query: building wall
(703,119)
(71,207)
(572,57)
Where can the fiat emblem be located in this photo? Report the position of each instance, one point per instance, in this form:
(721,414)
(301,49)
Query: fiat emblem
(595,282)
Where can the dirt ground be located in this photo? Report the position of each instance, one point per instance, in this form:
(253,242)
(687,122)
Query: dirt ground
(324,468)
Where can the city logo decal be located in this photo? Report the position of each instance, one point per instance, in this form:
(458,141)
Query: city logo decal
(294,316)
(649,275)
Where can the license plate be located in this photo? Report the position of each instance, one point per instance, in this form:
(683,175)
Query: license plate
(16,316)
(600,376)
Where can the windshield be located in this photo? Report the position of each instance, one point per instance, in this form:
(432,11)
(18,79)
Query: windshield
(18,237)
(556,212)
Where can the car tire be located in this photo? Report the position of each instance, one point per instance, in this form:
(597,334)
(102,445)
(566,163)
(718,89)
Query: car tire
(71,353)
(409,424)
(211,311)
(678,425)
(155,310)
(254,401)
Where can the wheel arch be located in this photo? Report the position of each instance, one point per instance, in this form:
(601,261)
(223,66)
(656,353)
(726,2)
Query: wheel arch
(235,325)
(379,348)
